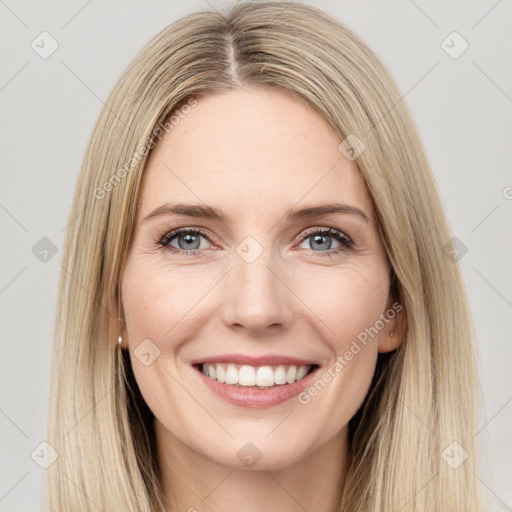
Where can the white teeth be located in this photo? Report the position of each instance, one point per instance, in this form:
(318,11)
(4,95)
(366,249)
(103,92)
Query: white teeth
(246,376)
(221,374)
(231,374)
(291,374)
(301,372)
(280,375)
(262,376)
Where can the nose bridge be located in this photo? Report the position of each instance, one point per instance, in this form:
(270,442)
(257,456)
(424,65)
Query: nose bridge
(257,297)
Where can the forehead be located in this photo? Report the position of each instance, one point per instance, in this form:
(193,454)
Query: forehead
(251,150)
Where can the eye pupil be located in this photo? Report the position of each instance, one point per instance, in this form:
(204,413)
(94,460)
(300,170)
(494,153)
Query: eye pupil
(189,240)
(317,240)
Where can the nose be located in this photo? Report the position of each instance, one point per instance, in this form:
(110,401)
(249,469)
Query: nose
(257,296)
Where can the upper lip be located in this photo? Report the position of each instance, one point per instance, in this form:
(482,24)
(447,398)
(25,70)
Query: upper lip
(263,360)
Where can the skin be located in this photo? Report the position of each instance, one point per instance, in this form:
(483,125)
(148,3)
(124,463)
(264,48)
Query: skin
(255,154)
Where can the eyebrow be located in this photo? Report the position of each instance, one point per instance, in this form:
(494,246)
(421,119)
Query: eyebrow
(210,213)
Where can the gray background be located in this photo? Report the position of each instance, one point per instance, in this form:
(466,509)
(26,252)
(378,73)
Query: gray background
(462,107)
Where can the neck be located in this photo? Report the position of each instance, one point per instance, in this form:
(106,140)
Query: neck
(190,482)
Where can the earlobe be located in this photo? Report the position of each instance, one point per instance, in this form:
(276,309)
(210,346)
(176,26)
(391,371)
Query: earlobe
(388,341)
(116,324)
(392,336)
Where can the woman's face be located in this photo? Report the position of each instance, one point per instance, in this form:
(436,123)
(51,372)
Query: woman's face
(268,290)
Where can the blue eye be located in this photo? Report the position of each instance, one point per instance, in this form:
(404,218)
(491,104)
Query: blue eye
(322,239)
(189,241)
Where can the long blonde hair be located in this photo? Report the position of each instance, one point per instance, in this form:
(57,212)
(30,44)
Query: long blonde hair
(423,394)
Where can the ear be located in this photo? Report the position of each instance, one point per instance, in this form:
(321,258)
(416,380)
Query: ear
(393,333)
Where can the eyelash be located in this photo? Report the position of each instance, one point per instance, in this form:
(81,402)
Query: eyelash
(344,240)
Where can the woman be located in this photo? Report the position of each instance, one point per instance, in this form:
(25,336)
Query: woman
(210,354)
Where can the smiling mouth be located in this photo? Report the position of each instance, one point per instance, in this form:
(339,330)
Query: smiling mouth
(256,377)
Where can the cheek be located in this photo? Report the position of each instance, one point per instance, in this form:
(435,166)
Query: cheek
(349,302)
(159,301)
(165,308)
(346,300)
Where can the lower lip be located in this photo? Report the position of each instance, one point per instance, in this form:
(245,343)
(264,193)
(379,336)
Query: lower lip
(254,397)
